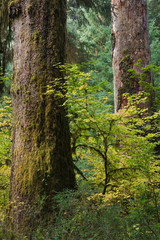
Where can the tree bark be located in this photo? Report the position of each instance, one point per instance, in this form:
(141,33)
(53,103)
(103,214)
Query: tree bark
(130,42)
(41,153)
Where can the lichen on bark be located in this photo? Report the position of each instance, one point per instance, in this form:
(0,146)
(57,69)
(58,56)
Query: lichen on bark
(41,154)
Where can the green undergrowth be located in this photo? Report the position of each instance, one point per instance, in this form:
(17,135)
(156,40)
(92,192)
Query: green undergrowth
(5,151)
(117,164)
(85,214)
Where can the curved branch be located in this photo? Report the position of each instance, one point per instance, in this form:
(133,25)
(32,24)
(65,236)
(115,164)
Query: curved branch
(92,148)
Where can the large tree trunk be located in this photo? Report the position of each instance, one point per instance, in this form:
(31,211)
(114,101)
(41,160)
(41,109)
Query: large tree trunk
(41,154)
(130,42)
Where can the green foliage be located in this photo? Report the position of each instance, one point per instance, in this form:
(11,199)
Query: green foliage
(154,34)
(118,148)
(107,141)
(143,218)
(5,151)
(90,32)
(5,38)
(85,214)
(154,12)
(115,153)
(149,88)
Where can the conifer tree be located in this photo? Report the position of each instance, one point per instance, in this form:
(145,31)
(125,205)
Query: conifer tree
(130,42)
(41,154)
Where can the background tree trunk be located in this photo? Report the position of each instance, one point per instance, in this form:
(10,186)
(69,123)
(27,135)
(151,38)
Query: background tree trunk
(41,154)
(130,42)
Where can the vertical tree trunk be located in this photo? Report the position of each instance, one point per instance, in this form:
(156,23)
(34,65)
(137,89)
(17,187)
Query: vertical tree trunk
(130,42)
(41,154)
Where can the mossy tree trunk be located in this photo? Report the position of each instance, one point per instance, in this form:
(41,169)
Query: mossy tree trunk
(41,154)
(130,42)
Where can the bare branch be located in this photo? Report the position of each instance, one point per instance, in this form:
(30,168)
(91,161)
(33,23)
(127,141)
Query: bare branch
(79,172)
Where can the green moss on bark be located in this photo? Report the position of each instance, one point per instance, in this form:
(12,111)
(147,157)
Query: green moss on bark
(126,78)
(42,161)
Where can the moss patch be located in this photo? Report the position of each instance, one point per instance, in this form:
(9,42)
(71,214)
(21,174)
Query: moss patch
(126,78)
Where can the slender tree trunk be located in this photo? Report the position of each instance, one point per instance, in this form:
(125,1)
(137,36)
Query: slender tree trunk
(41,154)
(130,42)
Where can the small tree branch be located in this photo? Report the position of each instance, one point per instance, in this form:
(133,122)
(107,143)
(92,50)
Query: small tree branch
(92,148)
(80,172)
